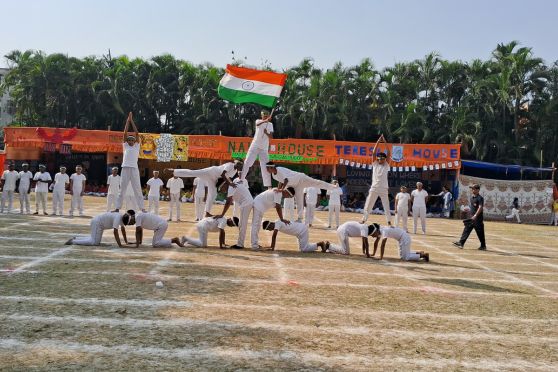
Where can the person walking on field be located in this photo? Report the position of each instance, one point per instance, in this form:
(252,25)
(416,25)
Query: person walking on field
(154,185)
(200,196)
(334,204)
(310,201)
(476,222)
(402,206)
(259,148)
(61,182)
(175,185)
(514,211)
(77,189)
(419,197)
(42,179)
(25,178)
(130,176)
(8,186)
(380,186)
(113,183)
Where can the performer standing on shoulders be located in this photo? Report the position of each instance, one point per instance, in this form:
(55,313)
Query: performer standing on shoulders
(380,186)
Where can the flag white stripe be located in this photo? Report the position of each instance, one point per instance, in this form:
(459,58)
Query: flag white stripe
(250,86)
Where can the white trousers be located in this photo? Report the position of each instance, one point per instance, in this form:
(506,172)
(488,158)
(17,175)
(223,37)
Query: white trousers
(373,195)
(130,177)
(306,181)
(303,244)
(289,208)
(111,202)
(159,240)
(334,210)
(77,203)
(243,223)
(9,196)
(402,216)
(405,250)
(419,212)
(24,200)
(310,210)
(58,201)
(174,204)
(210,182)
(253,153)
(514,213)
(201,241)
(41,198)
(555,218)
(153,204)
(94,239)
(343,247)
(257,218)
(199,205)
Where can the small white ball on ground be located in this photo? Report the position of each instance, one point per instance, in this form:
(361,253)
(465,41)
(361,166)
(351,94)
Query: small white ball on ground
(159,284)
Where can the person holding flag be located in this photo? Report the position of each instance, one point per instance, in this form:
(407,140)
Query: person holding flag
(259,148)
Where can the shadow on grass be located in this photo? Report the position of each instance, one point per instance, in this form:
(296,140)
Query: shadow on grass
(472,285)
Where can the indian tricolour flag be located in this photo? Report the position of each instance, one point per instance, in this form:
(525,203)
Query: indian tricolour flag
(246,85)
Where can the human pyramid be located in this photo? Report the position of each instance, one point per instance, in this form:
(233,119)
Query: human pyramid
(230,178)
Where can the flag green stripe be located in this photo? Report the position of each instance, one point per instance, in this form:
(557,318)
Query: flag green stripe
(237,96)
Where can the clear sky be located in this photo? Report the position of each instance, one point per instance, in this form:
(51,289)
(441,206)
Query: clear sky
(282,32)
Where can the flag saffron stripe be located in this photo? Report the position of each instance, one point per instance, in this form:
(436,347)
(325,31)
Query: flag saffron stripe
(251,74)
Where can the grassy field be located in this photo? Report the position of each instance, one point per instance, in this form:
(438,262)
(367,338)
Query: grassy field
(70,307)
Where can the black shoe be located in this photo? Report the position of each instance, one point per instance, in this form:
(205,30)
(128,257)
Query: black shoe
(482,248)
(236,247)
(458,245)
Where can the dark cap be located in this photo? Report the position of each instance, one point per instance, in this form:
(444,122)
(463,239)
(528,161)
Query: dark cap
(475,186)
(382,155)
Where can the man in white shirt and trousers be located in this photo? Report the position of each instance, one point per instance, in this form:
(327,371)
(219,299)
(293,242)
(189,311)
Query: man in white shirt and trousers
(259,148)
(403,241)
(210,176)
(25,178)
(262,203)
(239,193)
(159,226)
(350,229)
(211,224)
(289,208)
(8,185)
(113,183)
(77,189)
(102,222)
(199,193)
(419,197)
(154,185)
(402,203)
(61,182)
(334,204)
(310,201)
(175,185)
(297,229)
(42,178)
(380,186)
(129,174)
(299,181)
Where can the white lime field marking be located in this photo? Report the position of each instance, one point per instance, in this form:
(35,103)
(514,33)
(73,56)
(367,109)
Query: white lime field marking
(39,260)
(167,260)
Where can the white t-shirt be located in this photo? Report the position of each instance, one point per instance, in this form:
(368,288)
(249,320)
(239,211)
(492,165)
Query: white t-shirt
(113,183)
(175,185)
(403,199)
(312,195)
(419,198)
(109,220)
(215,172)
(149,221)
(10,178)
(241,195)
(131,155)
(380,176)
(297,229)
(267,200)
(200,187)
(41,186)
(77,182)
(354,229)
(393,232)
(155,186)
(25,180)
(285,173)
(211,224)
(60,181)
(335,196)
(261,140)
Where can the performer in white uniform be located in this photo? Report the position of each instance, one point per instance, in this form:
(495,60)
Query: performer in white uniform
(210,176)
(8,185)
(289,208)
(77,189)
(310,201)
(299,181)
(154,185)
(113,183)
(350,229)
(199,193)
(25,178)
(239,193)
(61,182)
(380,186)
(402,203)
(42,178)
(175,185)
(130,176)
(102,222)
(259,148)
(211,224)
(419,197)
(297,229)
(262,203)
(403,240)
(159,225)
(334,204)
